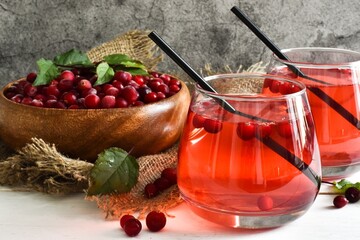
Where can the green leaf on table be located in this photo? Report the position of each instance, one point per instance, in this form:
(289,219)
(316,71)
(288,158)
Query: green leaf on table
(73,58)
(104,73)
(115,171)
(47,72)
(115,59)
(344,184)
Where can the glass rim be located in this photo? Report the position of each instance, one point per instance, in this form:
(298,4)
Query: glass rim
(315,65)
(250,96)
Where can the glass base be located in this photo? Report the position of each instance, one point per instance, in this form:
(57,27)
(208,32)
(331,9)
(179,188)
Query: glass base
(330,173)
(236,220)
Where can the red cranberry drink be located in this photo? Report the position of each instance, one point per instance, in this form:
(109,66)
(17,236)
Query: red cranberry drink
(334,103)
(258,167)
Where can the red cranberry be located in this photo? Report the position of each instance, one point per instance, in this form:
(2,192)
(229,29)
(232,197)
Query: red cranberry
(246,130)
(84,93)
(340,201)
(65,85)
(17,98)
(31,77)
(151,190)
(30,90)
(67,74)
(166,78)
(51,103)
(143,90)
(139,80)
(92,101)
(37,103)
(174,88)
(112,91)
(174,81)
(275,85)
(124,219)
(265,203)
(53,90)
(59,105)
(26,100)
(84,84)
(212,126)
(130,94)
(118,84)
(170,174)
(284,129)
(264,130)
(198,121)
(132,227)
(108,101)
(162,184)
(150,97)
(163,88)
(69,98)
(352,194)
(155,221)
(121,103)
(138,103)
(154,84)
(160,96)
(40,97)
(284,88)
(122,76)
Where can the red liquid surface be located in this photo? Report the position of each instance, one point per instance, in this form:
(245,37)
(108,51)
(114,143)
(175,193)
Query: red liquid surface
(223,172)
(338,139)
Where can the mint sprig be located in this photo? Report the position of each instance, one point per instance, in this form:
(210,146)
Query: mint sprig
(115,171)
(342,185)
(105,69)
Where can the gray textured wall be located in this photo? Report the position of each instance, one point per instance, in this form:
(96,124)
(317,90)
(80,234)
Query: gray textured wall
(202,31)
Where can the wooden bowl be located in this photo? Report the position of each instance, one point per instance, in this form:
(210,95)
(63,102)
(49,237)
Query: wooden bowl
(84,133)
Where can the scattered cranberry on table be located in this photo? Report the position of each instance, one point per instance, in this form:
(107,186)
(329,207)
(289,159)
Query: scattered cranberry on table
(73,91)
(155,221)
(352,195)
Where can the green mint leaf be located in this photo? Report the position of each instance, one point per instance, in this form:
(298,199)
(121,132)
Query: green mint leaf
(73,58)
(116,59)
(115,171)
(133,64)
(104,73)
(342,185)
(47,72)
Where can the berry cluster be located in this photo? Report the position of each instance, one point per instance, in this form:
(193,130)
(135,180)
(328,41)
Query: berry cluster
(280,87)
(71,90)
(167,179)
(155,221)
(352,195)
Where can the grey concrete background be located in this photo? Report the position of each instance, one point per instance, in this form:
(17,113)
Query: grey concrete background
(202,31)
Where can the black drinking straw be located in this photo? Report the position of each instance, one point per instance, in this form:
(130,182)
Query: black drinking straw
(196,77)
(270,44)
(318,92)
(276,147)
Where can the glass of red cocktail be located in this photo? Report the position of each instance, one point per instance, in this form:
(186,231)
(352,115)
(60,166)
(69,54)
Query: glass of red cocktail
(332,80)
(248,155)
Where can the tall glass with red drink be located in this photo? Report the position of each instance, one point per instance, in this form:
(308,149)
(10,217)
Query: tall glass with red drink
(332,80)
(248,156)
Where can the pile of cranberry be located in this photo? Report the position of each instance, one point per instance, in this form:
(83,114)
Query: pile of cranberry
(72,91)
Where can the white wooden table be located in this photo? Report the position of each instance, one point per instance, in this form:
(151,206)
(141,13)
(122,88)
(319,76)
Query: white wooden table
(29,215)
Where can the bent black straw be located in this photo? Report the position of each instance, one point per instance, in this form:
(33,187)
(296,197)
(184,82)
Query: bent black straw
(242,16)
(196,77)
(286,154)
(348,116)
